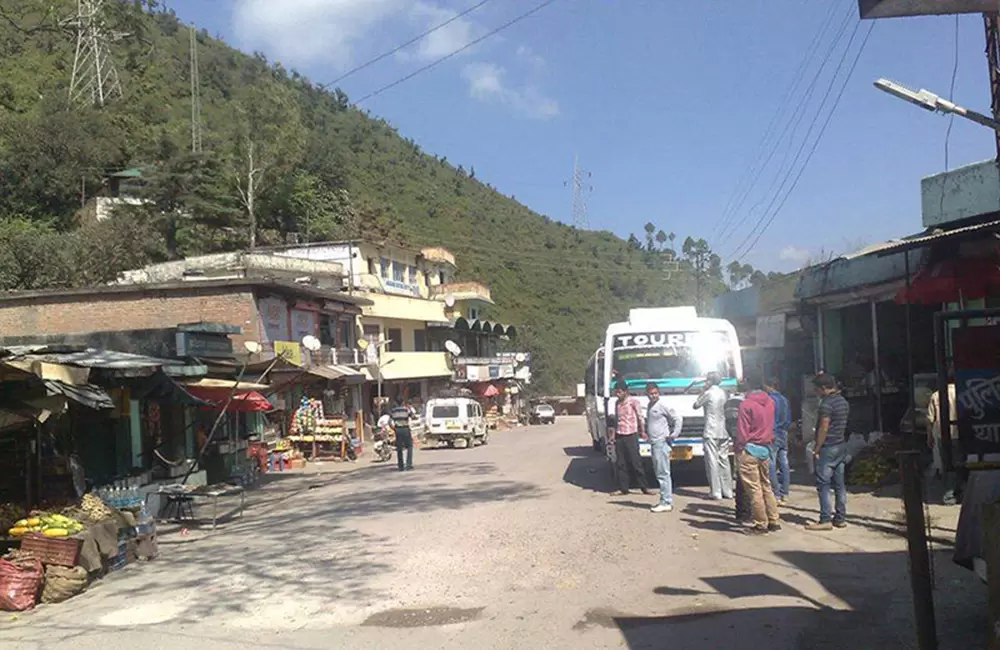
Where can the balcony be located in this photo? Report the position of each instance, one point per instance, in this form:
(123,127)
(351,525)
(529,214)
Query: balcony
(298,355)
(404,308)
(463,291)
(439,255)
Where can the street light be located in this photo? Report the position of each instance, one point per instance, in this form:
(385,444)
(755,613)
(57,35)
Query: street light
(927,100)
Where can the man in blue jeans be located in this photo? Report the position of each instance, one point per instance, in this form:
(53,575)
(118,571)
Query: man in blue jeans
(830,453)
(780,477)
(663,425)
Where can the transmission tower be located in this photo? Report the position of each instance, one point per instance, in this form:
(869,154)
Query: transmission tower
(195,95)
(95,79)
(580,190)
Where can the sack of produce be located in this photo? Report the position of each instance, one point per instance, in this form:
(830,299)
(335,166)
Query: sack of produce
(62,583)
(20,582)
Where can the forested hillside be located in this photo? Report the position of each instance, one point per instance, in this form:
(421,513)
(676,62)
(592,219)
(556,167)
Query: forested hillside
(319,167)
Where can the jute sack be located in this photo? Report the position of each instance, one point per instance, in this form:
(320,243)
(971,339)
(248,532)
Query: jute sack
(62,583)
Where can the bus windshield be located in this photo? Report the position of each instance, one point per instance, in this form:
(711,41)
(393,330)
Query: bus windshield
(684,356)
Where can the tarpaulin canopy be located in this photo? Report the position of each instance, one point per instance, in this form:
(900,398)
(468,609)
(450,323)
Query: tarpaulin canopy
(249,401)
(952,280)
(486,390)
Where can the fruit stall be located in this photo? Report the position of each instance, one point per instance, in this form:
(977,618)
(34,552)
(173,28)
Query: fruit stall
(54,554)
(316,434)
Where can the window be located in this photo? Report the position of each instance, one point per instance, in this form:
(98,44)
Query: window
(413,275)
(441,277)
(395,340)
(473,313)
(588,377)
(600,375)
(398,272)
(470,410)
(327,330)
(444,412)
(371,266)
(345,337)
(420,340)
(385,263)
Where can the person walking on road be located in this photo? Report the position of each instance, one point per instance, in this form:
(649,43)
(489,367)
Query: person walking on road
(404,435)
(780,473)
(663,425)
(754,437)
(830,453)
(716,440)
(628,430)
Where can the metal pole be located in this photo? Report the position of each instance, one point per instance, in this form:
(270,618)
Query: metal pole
(944,397)
(821,345)
(878,365)
(990,21)
(916,541)
(912,410)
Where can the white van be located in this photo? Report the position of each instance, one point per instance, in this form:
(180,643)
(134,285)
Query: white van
(456,421)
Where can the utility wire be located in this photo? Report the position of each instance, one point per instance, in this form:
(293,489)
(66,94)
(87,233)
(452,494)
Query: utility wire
(454,53)
(951,98)
(405,45)
(791,128)
(805,163)
(727,212)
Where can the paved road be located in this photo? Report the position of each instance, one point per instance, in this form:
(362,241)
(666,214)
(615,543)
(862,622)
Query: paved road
(514,545)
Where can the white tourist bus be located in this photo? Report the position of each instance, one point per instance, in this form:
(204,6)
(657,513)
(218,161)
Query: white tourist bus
(675,349)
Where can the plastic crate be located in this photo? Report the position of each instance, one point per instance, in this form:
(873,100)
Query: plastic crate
(61,551)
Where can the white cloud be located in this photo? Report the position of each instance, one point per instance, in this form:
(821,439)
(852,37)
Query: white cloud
(799,256)
(344,33)
(306,31)
(487,84)
(445,40)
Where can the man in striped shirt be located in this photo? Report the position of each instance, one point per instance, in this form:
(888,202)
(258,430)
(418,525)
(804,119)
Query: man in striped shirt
(830,453)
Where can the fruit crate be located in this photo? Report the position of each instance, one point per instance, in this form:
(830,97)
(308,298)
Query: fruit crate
(61,551)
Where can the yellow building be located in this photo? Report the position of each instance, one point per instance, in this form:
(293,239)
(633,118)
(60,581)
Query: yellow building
(417,307)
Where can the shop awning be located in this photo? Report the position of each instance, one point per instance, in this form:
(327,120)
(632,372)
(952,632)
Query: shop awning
(87,394)
(485,390)
(952,280)
(249,401)
(225,384)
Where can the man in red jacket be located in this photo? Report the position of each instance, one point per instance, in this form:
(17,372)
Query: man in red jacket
(754,437)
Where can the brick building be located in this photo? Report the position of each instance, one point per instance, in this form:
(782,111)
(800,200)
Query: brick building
(267,311)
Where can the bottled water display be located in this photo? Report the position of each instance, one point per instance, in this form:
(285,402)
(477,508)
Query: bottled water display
(121,494)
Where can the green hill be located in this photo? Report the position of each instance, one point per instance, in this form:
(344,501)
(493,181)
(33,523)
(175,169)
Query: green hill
(322,169)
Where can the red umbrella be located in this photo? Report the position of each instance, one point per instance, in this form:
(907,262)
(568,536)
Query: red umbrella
(952,280)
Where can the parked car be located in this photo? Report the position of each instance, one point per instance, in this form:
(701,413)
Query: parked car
(457,422)
(543,414)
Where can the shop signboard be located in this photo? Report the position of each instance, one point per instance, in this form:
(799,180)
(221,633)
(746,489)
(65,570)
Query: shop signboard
(291,351)
(303,324)
(274,315)
(977,388)
(204,345)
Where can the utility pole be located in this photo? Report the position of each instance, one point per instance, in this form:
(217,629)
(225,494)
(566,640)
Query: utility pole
(580,189)
(95,78)
(195,95)
(992,23)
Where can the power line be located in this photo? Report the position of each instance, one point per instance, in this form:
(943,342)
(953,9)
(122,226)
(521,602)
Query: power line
(454,53)
(805,164)
(405,45)
(790,129)
(729,211)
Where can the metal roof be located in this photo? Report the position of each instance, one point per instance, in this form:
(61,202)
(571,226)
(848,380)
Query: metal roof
(97,359)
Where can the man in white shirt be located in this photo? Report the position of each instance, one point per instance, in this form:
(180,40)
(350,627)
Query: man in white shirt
(717,442)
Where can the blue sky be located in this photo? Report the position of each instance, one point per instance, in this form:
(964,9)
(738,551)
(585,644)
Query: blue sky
(665,103)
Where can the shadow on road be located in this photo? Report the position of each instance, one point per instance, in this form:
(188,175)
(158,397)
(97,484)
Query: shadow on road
(868,606)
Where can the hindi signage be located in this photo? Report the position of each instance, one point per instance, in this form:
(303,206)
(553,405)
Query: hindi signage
(977,388)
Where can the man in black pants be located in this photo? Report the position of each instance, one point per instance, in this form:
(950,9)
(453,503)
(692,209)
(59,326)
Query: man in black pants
(628,429)
(404,436)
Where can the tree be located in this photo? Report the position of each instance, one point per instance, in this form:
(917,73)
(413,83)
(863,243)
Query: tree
(187,190)
(269,143)
(650,229)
